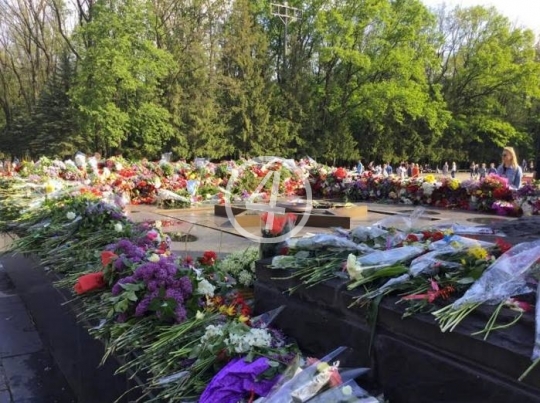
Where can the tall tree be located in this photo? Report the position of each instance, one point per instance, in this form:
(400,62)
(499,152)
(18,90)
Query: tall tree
(191,31)
(248,90)
(118,91)
(489,77)
(53,122)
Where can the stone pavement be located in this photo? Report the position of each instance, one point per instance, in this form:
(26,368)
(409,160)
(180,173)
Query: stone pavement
(29,374)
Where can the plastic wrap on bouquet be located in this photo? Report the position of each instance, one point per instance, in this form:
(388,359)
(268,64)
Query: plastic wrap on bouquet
(284,389)
(390,256)
(93,162)
(164,194)
(402,223)
(265,319)
(328,241)
(429,264)
(459,243)
(165,158)
(275,230)
(506,277)
(347,392)
(80,160)
(192,186)
(536,349)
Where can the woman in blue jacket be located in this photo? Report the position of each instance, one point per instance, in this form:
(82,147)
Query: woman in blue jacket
(510,168)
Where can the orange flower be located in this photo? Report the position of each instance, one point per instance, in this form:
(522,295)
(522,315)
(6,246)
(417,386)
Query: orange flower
(89,282)
(276,223)
(107,257)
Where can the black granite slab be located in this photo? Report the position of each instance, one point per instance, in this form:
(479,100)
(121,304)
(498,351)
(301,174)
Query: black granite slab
(76,353)
(413,360)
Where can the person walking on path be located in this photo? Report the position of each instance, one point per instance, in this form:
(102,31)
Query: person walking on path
(445,169)
(454,170)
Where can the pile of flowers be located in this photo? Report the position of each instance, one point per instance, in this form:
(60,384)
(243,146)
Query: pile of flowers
(443,271)
(184,323)
(181,184)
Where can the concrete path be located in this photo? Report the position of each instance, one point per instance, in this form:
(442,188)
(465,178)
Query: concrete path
(28,373)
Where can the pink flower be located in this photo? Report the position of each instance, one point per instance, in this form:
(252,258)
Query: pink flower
(519,306)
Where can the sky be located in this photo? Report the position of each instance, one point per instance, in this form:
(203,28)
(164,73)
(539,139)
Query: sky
(522,12)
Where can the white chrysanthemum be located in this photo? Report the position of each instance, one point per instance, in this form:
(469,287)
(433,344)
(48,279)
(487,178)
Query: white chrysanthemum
(245,278)
(428,188)
(70,215)
(205,288)
(212,332)
(259,338)
(154,258)
(118,227)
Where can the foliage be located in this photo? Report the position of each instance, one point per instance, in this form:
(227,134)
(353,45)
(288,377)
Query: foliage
(382,80)
(117,90)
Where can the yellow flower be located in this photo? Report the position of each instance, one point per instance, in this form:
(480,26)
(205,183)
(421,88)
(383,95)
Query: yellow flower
(430,178)
(453,184)
(323,366)
(243,318)
(49,187)
(227,310)
(478,253)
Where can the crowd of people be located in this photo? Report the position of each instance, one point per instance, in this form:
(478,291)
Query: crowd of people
(508,168)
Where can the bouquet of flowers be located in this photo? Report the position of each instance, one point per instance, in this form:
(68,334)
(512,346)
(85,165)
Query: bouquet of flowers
(275,230)
(318,381)
(505,278)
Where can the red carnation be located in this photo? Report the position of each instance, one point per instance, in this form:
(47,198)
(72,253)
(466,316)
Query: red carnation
(503,245)
(107,257)
(209,258)
(340,173)
(89,282)
(411,238)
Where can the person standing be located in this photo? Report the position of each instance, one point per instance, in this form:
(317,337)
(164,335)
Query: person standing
(482,171)
(454,170)
(445,169)
(510,169)
(359,168)
(492,170)
(415,170)
(534,169)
